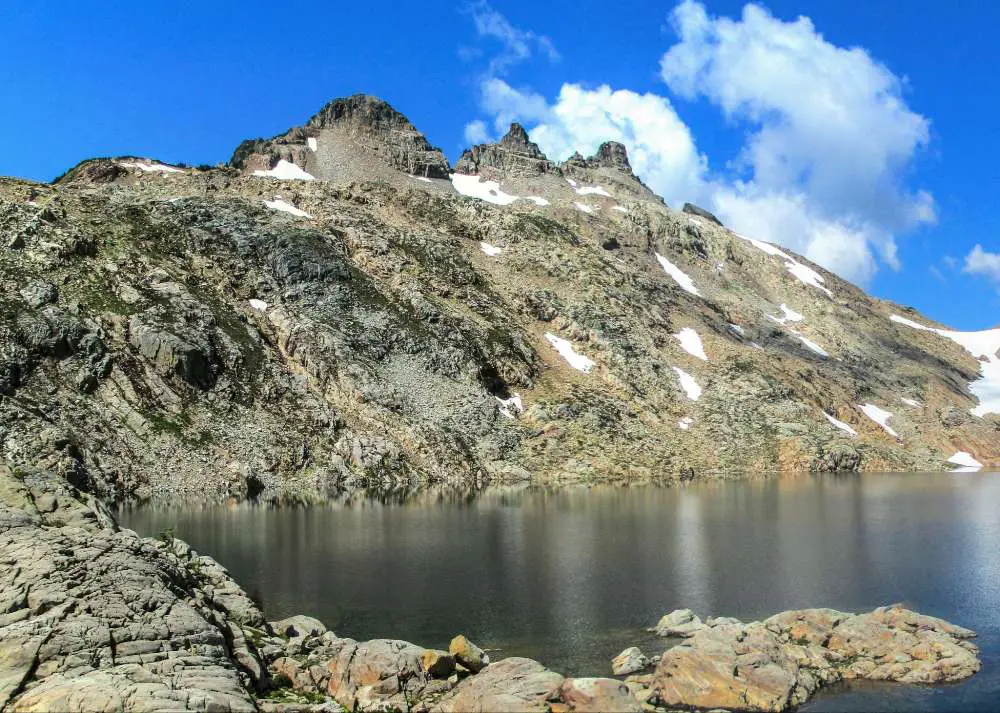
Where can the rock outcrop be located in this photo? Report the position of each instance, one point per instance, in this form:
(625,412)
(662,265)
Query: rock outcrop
(780,662)
(692,209)
(358,130)
(513,157)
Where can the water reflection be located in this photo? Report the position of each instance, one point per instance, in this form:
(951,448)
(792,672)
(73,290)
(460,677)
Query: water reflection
(573,576)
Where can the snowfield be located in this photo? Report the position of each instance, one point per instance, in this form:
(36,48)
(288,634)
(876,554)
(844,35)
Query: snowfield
(491,250)
(983,346)
(565,349)
(803,273)
(506,405)
(680,277)
(812,345)
(592,191)
(967,463)
(688,384)
(151,167)
(879,416)
(691,343)
(489,191)
(278,204)
(787,315)
(840,424)
(286,171)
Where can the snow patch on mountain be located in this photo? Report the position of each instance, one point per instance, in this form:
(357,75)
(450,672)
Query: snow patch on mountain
(879,416)
(834,421)
(474,187)
(680,277)
(507,406)
(787,315)
(803,273)
(576,360)
(491,250)
(284,207)
(691,343)
(592,191)
(966,461)
(286,171)
(151,167)
(984,346)
(812,345)
(688,384)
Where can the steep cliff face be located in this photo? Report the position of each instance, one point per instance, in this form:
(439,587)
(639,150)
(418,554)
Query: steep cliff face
(337,310)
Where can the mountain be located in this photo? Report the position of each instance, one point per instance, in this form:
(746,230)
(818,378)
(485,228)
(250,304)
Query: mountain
(338,308)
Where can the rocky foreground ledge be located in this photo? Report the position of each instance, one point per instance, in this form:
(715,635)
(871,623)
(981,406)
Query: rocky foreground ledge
(96,618)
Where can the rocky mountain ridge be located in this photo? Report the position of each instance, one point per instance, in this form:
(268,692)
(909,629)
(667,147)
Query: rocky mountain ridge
(338,309)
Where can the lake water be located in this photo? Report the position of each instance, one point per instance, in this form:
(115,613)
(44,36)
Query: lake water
(573,576)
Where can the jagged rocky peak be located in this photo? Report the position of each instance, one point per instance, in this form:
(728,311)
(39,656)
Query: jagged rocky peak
(611,154)
(516,140)
(515,155)
(348,138)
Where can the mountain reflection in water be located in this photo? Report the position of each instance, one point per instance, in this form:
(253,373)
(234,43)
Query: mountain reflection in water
(572,576)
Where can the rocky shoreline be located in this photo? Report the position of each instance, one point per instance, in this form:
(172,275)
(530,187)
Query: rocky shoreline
(95,617)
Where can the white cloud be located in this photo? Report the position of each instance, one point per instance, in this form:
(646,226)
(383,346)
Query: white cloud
(505,104)
(829,131)
(476,132)
(981,262)
(517,45)
(829,138)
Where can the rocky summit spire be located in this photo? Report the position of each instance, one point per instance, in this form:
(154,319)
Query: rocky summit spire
(517,140)
(514,155)
(611,154)
(342,140)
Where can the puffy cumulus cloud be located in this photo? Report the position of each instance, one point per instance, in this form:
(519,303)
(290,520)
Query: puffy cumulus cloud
(984,263)
(505,104)
(828,130)
(660,145)
(476,132)
(829,139)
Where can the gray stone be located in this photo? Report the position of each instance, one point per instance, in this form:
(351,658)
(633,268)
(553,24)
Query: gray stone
(692,209)
(629,661)
(468,654)
(39,293)
(513,684)
(680,622)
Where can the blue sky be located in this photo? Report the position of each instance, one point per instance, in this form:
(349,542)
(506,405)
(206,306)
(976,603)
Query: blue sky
(890,181)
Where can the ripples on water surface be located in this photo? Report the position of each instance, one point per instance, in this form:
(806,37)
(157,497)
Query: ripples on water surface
(573,576)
